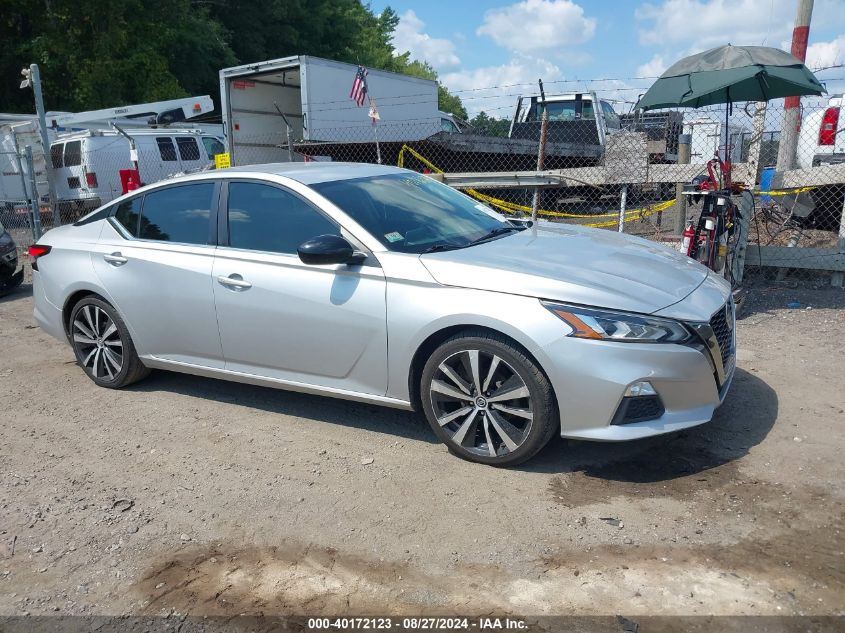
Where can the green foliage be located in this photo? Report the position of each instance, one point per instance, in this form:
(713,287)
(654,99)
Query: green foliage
(491,126)
(100,53)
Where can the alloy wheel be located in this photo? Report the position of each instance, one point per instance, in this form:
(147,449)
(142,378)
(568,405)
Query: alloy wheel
(482,403)
(97,339)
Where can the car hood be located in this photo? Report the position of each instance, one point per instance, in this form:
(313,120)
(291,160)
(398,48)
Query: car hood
(575,265)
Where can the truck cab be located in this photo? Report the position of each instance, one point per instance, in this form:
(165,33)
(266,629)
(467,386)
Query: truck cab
(573,118)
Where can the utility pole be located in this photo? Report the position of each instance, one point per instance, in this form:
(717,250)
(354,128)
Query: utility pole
(792,105)
(32,79)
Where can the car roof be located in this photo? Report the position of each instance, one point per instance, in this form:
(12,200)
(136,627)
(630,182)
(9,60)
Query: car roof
(313,172)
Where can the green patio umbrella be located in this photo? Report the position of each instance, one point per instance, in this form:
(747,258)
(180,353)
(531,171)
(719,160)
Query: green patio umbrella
(728,74)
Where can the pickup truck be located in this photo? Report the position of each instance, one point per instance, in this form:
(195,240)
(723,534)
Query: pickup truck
(587,119)
(822,138)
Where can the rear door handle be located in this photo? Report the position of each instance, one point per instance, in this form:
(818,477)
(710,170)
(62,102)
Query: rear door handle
(234,282)
(115,259)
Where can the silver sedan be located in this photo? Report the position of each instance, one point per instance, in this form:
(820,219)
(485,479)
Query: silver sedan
(381,285)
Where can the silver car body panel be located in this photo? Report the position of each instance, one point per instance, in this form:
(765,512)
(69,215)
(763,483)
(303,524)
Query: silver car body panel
(353,331)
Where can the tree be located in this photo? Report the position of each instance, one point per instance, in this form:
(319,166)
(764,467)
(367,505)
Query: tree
(485,124)
(101,53)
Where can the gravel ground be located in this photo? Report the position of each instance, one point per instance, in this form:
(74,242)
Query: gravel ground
(190,495)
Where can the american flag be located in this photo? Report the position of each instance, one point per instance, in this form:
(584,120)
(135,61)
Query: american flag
(359,87)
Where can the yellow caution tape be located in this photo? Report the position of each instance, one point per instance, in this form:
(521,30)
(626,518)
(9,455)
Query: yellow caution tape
(782,192)
(512,207)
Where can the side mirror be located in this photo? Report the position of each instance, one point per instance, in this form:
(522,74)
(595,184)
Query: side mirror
(329,249)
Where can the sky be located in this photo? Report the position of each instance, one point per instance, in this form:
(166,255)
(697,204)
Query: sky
(490,51)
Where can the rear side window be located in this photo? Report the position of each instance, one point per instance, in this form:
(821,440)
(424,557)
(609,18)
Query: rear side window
(166,148)
(56,155)
(188,148)
(128,212)
(178,214)
(73,153)
(265,218)
(212,146)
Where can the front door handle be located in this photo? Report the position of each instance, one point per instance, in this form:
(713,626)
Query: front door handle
(234,282)
(115,259)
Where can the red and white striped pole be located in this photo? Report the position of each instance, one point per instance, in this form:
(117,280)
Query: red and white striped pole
(792,105)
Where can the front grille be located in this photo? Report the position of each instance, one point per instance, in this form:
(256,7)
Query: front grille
(723,330)
(638,409)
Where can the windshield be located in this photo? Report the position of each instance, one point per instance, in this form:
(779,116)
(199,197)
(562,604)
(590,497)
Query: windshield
(411,213)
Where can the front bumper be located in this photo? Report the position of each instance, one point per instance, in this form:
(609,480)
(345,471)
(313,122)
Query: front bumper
(590,379)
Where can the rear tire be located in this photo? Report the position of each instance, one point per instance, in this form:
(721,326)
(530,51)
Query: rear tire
(102,345)
(487,400)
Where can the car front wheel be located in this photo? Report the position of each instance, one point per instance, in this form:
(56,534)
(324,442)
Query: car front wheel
(487,400)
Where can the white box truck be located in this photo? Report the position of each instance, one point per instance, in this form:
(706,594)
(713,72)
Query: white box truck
(267,105)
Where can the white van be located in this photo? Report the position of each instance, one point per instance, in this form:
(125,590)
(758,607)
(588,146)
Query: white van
(87,164)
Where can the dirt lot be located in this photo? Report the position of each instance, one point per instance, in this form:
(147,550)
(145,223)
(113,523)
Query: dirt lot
(198,496)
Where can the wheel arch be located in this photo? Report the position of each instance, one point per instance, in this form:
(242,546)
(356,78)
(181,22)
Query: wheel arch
(435,339)
(74,298)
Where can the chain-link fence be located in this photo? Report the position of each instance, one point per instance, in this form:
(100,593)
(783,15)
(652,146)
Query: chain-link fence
(640,173)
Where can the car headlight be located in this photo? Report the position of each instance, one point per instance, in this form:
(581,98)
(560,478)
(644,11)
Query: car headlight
(608,325)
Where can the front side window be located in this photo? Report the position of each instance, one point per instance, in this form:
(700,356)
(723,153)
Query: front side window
(610,116)
(177,214)
(266,218)
(56,152)
(212,147)
(447,126)
(128,213)
(188,148)
(73,153)
(410,213)
(165,148)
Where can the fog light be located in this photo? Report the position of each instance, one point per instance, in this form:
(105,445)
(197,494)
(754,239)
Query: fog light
(640,388)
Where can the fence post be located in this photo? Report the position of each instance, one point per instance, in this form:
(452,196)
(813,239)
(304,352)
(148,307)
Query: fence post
(623,201)
(35,79)
(838,278)
(684,141)
(541,158)
(33,201)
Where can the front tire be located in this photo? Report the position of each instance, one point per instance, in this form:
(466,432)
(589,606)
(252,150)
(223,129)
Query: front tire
(102,345)
(487,400)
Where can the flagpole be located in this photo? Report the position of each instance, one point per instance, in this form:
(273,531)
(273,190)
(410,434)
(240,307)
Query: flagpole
(375,123)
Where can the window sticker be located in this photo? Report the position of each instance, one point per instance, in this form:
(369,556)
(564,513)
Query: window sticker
(393,236)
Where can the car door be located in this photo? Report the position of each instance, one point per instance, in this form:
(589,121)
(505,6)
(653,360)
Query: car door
(154,258)
(282,319)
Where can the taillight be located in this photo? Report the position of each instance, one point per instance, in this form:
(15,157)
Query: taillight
(91,178)
(36,251)
(830,121)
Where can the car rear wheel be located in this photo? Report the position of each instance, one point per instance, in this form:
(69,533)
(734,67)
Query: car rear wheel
(102,345)
(487,400)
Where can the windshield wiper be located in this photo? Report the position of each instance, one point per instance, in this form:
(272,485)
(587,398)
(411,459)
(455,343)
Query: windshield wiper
(499,230)
(443,246)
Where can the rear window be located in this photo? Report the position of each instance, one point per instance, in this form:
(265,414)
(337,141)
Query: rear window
(188,148)
(73,153)
(166,148)
(56,152)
